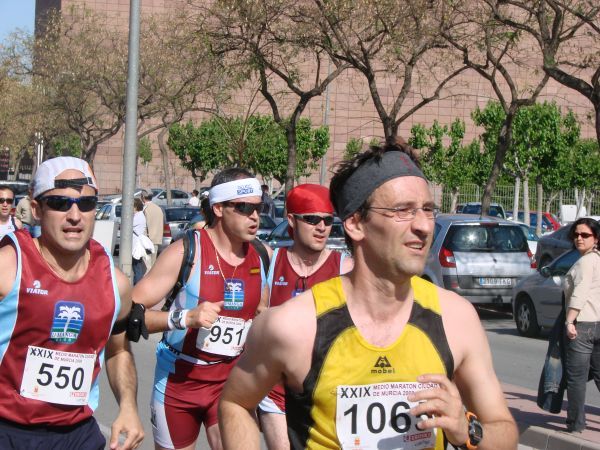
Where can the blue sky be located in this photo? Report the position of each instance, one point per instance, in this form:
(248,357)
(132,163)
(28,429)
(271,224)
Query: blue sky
(16,14)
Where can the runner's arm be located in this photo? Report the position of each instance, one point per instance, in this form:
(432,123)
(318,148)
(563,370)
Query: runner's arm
(475,384)
(122,376)
(8,274)
(254,375)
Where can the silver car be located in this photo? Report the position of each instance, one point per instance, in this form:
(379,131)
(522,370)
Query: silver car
(538,299)
(480,258)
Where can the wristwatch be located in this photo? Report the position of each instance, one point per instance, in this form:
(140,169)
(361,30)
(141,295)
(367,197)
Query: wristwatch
(475,432)
(176,317)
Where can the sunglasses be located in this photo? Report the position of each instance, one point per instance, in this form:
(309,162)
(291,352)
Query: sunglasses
(64,203)
(8,201)
(245,208)
(583,235)
(314,219)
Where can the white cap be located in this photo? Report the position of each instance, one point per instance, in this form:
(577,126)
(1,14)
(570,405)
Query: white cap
(47,172)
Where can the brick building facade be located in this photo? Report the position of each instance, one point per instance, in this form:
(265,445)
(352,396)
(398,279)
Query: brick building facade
(351,112)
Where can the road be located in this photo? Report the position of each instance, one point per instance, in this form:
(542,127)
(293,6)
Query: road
(517,361)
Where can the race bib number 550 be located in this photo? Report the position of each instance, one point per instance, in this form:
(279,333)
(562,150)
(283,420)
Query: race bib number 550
(377,416)
(57,377)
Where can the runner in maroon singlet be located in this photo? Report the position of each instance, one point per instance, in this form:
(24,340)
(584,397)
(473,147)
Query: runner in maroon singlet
(294,270)
(206,327)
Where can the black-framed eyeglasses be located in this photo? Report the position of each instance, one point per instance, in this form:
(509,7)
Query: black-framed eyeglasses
(315,219)
(245,208)
(583,235)
(8,201)
(401,213)
(63,203)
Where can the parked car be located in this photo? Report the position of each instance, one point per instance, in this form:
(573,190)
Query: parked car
(112,211)
(549,221)
(552,245)
(532,237)
(176,218)
(538,299)
(280,237)
(480,258)
(178,197)
(496,210)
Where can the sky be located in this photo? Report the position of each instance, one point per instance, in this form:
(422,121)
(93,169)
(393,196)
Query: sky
(16,14)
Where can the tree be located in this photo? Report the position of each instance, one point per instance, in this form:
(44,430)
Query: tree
(496,52)
(391,43)
(567,33)
(274,43)
(257,143)
(451,166)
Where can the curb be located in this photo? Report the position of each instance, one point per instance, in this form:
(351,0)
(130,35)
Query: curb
(544,439)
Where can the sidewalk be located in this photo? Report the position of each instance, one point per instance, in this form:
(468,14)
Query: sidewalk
(544,431)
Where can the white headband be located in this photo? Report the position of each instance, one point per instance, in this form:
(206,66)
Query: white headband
(246,187)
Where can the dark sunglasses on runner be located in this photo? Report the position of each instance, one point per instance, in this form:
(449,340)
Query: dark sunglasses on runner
(64,203)
(245,208)
(8,201)
(314,219)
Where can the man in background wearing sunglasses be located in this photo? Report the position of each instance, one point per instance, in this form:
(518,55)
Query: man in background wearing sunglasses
(376,358)
(293,271)
(8,223)
(64,307)
(206,327)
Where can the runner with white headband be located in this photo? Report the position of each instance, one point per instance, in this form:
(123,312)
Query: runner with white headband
(206,327)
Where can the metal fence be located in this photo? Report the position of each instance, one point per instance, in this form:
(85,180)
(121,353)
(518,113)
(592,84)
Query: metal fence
(504,195)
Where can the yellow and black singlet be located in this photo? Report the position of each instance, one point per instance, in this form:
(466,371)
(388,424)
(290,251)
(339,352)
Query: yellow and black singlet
(354,396)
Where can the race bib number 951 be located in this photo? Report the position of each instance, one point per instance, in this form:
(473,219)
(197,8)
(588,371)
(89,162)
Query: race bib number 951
(226,337)
(377,416)
(57,377)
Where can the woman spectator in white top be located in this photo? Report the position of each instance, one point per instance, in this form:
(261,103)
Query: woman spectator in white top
(139,229)
(582,293)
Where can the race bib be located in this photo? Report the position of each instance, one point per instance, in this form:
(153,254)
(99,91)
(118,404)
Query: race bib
(377,416)
(226,337)
(58,377)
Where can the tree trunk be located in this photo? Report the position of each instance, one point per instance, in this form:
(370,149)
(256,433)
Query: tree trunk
(560,206)
(526,201)
(454,198)
(551,198)
(504,141)
(516,198)
(164,153)
(590,199)
(290,134)
(540,201)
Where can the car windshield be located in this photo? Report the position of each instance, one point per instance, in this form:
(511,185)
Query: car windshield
(118,210)
(530,233)
(486,238)
(180,214)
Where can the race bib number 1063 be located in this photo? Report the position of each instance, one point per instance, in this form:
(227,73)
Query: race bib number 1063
(377,416)
(57,377)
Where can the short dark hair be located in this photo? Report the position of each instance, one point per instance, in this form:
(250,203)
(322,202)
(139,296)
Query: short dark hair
(591,223)
(7,188)
(195,192)
(224,176)
(147,195)
(264,187)
(137,204)
(346,168)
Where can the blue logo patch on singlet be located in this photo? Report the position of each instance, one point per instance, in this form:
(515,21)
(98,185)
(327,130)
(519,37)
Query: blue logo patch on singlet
(233,294)
(67,322)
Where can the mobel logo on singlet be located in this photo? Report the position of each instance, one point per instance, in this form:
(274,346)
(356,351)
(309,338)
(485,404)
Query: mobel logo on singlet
(383,366)
(67,323)
(37,289)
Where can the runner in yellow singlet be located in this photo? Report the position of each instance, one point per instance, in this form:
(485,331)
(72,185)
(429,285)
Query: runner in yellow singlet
(377,358)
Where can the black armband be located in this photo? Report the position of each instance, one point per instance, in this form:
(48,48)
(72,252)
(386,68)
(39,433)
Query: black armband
(136,324)
(120,325)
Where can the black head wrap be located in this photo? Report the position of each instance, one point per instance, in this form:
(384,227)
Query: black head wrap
(372,174)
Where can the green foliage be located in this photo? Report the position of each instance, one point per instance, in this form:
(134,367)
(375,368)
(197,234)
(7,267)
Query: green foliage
(67,145)
(145,150)
(584,161)
(353,147)
(444,158)
(257,143)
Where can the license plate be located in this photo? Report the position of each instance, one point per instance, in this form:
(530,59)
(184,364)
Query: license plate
(495,281)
